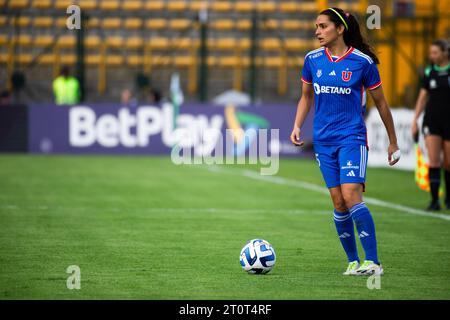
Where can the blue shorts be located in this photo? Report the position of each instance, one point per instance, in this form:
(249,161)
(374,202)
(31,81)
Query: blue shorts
(342,163)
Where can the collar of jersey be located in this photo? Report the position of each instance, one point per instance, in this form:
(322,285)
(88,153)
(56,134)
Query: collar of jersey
(437,68)
(350,49)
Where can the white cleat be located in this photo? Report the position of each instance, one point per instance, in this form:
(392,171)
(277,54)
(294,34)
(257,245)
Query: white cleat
(369,268)
(351,269)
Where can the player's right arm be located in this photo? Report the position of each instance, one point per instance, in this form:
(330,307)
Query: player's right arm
(420,106)
(303,107)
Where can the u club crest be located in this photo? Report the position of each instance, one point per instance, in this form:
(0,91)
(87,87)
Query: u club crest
(346,75)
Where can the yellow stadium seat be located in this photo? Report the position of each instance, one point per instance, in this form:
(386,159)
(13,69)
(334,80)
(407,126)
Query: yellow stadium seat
(243,24)
(134,42)
(21,21)
(178,24)
(41,4)
(133,23)
(222,24)
(134,60)
(88,4)
(223,43)
(158,43)
(24,58)
(270,43)
(244,43)
(266,7)
(176,5)
(183,43)
(156,24)
(3,21)
(132,5)
(221,6)
(198,5)
(66,41)
(93,59)
(156,5)
(292,24)
(62,4)
(290,6)
(60,22)
(109,5)
(243,6)
(114,60)
(3,39)
(271,24)
(4,57)
(111,23)
(93,23)
(299,44)
(114,41)
(295,61)
(92,41)
(182,61)
(310,6)
(47,59)
(272,62)
(43,22)
(43,40)
(69,59)
(18,4)
(23,40)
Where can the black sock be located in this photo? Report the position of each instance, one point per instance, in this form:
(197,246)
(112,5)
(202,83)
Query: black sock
(447,185)
(435,179)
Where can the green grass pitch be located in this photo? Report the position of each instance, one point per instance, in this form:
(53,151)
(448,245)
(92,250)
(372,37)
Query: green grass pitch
(143,228)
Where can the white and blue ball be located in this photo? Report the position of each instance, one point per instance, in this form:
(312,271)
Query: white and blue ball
(257,256)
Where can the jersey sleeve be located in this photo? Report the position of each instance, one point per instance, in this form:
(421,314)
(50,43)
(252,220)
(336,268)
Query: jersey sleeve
(306,72)
(371,78)
(424,82)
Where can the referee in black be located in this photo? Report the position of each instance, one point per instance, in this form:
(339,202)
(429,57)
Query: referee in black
(434,97)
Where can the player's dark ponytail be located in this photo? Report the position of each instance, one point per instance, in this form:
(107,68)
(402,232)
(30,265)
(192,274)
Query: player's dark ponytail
(352,32)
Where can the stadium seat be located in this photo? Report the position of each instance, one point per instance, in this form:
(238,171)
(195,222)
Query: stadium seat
(60,22)
(308,6)
(43,40)
(183,43)
(222,24)
(3,39)
(158,43)
(179,24)
(266,7)
(18,4)
(92,41)
(93,23)
(294,44)
(243,24)
(223,43)
(221,6)
(133,23)
(66,41)
(93,59)
(271,24)
(114,41)
(270,44)
(109,5)
(243,6)
(43,22)
(182,61)
(296,24)
(21,21)
(22,40)
(156,5)
(289,7)
(23,58)
(3,21)
(114,60)
(176,5)
(41,4)
(132,5)
(134,42)
(111,23)
(134,60)
(62,4)
(88,4)
(198,5)
(156,24)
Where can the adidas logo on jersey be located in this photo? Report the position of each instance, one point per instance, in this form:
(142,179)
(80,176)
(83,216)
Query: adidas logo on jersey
(351,174)
(363,234)
(332,73)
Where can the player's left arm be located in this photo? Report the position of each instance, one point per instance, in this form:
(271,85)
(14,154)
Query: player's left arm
(386,115)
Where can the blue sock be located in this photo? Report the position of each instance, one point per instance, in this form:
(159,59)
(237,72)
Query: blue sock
(366,230)
(346,233)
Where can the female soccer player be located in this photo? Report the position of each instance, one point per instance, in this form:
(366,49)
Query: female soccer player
(436,121)
(334,78)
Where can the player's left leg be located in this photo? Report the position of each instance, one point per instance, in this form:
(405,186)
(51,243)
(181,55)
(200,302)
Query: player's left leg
(447,172)
(353,165)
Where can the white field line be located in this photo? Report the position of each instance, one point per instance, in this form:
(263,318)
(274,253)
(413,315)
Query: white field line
(313,187)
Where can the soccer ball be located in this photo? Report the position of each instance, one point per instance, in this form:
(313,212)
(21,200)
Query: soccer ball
(257,256)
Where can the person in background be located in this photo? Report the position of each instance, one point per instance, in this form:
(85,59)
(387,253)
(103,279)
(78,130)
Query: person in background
(434,97)
(127,99)
(66,88)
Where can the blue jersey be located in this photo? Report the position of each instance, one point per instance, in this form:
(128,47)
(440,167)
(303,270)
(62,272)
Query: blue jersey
(339,85)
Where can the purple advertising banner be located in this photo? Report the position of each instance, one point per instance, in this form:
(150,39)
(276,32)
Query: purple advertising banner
(147,129)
